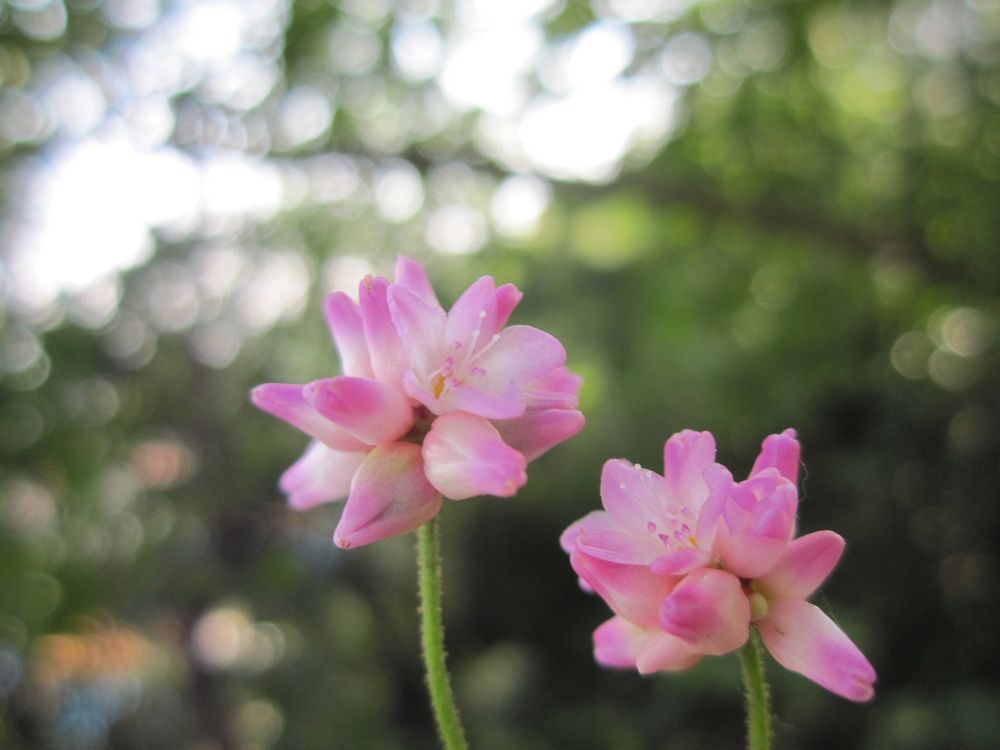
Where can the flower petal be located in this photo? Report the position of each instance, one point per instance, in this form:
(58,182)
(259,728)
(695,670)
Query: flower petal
(321,475)
(633,495)
(519,354)
(411,274)
(421,327)
(664,652)
(710,529)
(803,639)
(686,455)
(680,562)
(538,430)
(760,518)
(632,591)
(343,315)
(371,411)
(464,456)
(600,535)
(557,389)
(472,320)
(508,297)
(708,611)
(388,356)
(389,496)
(781,452)
(287,402)
(567,540)
(803,566)
(617,643)
(506,404)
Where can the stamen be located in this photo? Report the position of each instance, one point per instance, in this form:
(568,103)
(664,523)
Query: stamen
(481,352)
(437,385)
(650,527)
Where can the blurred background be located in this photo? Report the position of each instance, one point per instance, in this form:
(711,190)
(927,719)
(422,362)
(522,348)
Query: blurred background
(738,216)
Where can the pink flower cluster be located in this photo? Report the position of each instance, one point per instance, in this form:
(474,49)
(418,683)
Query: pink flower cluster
(691,560)
(429,403)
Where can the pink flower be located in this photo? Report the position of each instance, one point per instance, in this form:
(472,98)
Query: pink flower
(690,560)
(429,403)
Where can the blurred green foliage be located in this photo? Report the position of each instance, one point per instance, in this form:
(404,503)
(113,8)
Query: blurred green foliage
(807,234)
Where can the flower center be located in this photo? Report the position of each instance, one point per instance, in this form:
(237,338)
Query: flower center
(673,529)
(454,372)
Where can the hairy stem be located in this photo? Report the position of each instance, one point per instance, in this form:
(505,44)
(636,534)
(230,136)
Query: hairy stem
(758,696)
(432,637)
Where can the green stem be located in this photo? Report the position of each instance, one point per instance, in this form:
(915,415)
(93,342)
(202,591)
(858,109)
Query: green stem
(757,694)
(432,637)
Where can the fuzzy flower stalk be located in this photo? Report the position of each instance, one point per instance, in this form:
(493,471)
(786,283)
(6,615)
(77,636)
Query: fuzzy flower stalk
(430,404)
(694,563)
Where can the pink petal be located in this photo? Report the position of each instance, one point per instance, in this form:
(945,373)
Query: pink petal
(686,455)
(600,535)
(632,591)
(663,652)
(557,389)
(633,495)
(710,528)
(506,404)
(321,475)
(287,402)
(708,611)
(371,411)
(681,562)
(803,566)
(519,354)
(343,315)
(617,545)
(781,452)
(472,320)
(464,456)
(567,540)
(421,327)
(411,274)
(617,643)
(537,431)
(760,517)
(388,356)
(508,297)
(389,496)
(803,639)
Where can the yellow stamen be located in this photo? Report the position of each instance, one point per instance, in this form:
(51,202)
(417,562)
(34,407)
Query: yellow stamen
(438,384)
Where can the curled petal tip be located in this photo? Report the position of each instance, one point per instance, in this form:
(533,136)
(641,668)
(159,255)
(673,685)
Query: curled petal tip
(781,452)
